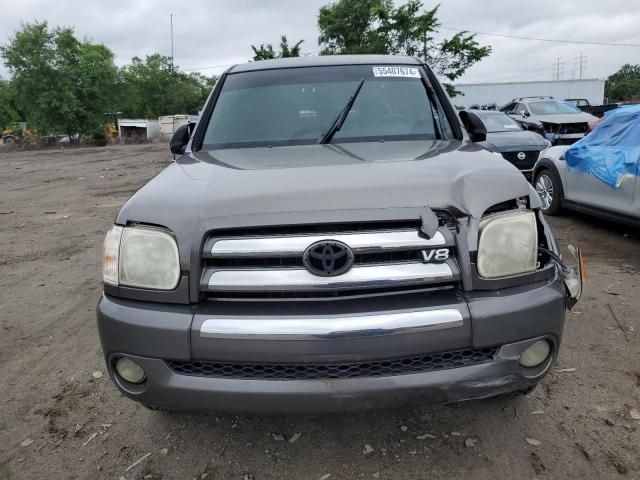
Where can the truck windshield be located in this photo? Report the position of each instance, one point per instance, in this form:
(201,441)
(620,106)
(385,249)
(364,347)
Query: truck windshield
(297,106)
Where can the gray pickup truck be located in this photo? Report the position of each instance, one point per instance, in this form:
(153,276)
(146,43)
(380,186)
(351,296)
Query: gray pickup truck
(330,237)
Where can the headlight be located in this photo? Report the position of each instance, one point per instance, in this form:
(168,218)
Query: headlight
(142,257)
(110,252)
(508,244)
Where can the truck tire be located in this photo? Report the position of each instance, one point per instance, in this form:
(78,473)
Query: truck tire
(549,189)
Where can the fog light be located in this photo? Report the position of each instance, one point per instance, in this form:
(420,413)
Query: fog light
(535,354)
(130,371)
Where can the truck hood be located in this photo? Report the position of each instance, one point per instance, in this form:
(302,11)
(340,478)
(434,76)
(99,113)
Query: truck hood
(252,186)
(512,141)
(578,117)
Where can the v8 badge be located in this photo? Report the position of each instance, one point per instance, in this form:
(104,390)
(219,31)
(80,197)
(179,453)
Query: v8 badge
(435,256)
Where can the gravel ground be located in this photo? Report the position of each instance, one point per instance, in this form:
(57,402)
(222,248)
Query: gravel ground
(61,417)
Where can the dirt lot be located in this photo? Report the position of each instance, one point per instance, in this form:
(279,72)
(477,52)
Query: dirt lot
(57,420)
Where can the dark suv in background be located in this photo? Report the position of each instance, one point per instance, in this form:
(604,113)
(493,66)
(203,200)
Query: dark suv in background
(509,139)
(331,238)
(560,122)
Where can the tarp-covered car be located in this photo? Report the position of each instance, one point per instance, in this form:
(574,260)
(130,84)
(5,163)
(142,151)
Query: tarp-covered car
(598,174)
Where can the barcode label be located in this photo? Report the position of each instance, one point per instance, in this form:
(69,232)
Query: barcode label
(407,72)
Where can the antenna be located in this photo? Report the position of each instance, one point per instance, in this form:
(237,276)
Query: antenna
(171,17)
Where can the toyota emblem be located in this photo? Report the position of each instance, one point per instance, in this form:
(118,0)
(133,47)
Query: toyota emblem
(328,258)
(521,156)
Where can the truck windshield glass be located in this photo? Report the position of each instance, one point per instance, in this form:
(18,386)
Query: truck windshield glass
(297,106)
(551,107)
(498,122)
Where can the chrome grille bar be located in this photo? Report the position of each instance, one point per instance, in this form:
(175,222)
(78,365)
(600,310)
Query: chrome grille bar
(346,326)
(294,279)
(284,246)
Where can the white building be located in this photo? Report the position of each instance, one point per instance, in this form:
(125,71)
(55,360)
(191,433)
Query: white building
(169,123)
(502,93)
(137,130)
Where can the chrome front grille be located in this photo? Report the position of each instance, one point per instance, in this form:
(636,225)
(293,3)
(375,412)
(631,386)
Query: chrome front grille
(264,264)
(294,246)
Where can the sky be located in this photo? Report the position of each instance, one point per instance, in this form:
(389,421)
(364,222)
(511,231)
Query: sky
(217,33)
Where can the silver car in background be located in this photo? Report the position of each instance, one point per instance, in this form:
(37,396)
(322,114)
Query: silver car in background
(559,122)
(599,174)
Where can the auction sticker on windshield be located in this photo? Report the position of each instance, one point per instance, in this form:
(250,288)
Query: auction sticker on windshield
(407,72)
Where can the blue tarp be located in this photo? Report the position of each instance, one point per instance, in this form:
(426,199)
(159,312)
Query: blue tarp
(612,150)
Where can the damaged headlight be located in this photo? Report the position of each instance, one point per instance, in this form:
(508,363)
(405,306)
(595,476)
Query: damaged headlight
(508,244)
(142,257)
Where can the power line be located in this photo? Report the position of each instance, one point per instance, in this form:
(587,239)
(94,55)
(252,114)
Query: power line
(307,54)
(553,40)
(208,68)
(523,76)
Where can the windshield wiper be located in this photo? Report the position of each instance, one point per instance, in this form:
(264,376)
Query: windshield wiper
(342,116)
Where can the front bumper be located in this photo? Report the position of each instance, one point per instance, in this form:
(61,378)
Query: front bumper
(511,319)
(564,138)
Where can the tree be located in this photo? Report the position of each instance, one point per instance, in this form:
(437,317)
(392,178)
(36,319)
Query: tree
(376,26)
(624,85)
(59,83)
(266,52)
(351,27)
(152,88)
(8,110)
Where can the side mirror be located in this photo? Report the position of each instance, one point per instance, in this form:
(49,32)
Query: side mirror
(474,126)
(180,138)
(525,114)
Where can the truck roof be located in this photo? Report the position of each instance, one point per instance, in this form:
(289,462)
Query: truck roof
(324,60)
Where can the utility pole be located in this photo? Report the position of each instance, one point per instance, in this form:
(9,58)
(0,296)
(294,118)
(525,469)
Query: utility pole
(424,47)
(558,69)
(171,42)
(173,116)
(581,64)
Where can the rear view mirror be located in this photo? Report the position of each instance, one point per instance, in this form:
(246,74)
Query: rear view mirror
(474,126)
(180,138)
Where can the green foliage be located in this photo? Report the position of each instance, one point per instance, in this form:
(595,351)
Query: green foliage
(8,110)
(59,84)
(376,26)
(352,26)
(151,88)
(266,52)
(624,85)
(263,52)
